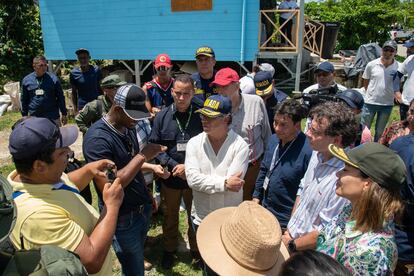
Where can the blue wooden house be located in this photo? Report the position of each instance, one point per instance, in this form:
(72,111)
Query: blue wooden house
(141,29)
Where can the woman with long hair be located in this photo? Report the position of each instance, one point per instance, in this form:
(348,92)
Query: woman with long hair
(361,237)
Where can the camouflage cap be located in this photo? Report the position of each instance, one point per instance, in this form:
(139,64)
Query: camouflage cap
(112,80)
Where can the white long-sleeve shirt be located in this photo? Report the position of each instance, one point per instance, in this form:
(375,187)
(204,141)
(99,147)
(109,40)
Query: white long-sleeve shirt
(206,172)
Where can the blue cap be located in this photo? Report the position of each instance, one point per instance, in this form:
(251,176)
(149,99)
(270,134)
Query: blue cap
(352,98)
(215,106)
(325,66)
(409,43)
(33,135)
(264,83)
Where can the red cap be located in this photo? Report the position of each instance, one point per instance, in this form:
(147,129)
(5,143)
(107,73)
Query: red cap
(163,60)
(225,76)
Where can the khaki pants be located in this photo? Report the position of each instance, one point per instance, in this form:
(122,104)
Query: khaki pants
(250,180)
(171,199)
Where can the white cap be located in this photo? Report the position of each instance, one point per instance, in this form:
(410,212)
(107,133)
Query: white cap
(268,68)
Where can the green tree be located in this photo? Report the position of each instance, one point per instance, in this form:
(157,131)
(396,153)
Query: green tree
(362,21)
(20,38)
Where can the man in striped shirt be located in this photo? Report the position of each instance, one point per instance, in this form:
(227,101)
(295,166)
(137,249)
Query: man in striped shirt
(316,202)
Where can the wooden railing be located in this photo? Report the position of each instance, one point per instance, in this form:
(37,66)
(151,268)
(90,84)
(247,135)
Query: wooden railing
(312,34)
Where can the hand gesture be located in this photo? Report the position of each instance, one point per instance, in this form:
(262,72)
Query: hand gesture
(235,183)
(161,172)
(152,150)
(179,171)
(113,195)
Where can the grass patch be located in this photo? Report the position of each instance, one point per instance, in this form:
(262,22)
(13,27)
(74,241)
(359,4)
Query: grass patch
(5,170)
(8,119)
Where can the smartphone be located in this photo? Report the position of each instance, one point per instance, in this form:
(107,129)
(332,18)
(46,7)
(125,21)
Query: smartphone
(111,175)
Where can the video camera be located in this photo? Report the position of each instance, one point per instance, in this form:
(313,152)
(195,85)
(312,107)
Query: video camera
(317,96)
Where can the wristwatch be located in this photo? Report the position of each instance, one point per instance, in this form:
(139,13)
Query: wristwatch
(291,246)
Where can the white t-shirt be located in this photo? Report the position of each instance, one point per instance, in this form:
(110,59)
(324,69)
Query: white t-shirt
(316,86)
(287,5)
(407,68)
(206,172)
(380,89)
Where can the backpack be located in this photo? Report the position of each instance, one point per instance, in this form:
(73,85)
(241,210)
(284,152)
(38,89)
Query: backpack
(49,260)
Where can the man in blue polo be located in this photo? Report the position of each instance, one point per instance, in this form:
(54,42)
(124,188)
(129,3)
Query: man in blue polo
(114,137)
(174,127)
(284,164)
(42,94)
(404,230)
(84,81)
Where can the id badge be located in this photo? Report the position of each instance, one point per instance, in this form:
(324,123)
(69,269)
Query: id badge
(181,145)
(39,92)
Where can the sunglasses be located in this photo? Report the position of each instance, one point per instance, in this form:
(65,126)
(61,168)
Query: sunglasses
(388,49)
(162,68)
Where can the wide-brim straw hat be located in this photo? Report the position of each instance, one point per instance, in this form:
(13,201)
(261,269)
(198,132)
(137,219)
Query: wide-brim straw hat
(243,240)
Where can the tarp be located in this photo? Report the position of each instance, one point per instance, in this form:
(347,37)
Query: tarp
(365,54)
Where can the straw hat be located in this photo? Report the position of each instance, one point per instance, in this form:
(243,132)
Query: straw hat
(243,240)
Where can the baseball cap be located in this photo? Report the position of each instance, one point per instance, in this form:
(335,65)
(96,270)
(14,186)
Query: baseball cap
(163,60)
(225,76)
(205,51)
(81,50)
(112,80)
(409,43)
(390,43)
(263,83)
(132,100)
(215,106)
(268,68)
(352,98)
(325,66)
(33,135)
(377,161)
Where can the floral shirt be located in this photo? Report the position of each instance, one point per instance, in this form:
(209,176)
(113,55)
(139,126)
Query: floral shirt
(371,253)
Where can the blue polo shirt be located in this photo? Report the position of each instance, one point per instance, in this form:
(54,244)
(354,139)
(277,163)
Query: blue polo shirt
(102,141)
(87,84)
(42,104)
(285,178)
(404,231)
(203,90)
(165,131)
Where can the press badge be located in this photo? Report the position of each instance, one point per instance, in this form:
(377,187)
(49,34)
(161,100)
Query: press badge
(182,145)
(39,92)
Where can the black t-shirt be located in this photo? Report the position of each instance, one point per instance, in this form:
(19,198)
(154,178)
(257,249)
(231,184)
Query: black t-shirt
(203,90)
(101,141)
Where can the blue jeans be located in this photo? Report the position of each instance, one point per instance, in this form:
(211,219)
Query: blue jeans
(403,111)
(383,114)
(128,243)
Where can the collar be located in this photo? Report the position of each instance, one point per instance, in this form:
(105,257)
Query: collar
(112,128)
(161,87)
(332,162)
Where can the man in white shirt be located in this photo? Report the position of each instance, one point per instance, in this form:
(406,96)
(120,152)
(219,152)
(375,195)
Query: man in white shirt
(406,68)
(249,120)
(325,78)
(316,202)
(216,161)
(378,80)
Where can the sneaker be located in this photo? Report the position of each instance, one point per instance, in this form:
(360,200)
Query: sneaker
(147,265)
(167,260)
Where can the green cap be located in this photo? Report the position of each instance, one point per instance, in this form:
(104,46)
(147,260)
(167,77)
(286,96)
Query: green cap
(112,80)
(377,161)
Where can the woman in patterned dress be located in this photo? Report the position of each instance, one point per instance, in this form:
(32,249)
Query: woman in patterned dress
(361,237)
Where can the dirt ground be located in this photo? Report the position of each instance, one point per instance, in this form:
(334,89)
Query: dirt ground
(5,157)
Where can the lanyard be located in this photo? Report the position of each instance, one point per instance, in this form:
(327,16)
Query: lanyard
(39,83)
(182,130)
(276,162)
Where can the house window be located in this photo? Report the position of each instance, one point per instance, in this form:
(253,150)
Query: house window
(191,5)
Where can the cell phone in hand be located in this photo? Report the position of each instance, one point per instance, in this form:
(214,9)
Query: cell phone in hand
(111,175)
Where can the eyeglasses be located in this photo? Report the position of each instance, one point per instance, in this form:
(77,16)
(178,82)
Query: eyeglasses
(206,118)
(162,68)
(388,49)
